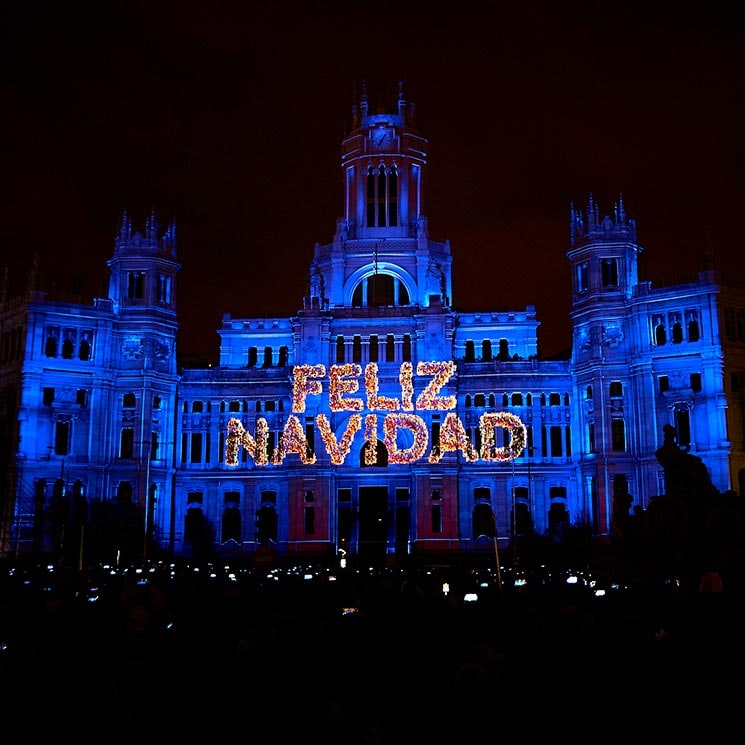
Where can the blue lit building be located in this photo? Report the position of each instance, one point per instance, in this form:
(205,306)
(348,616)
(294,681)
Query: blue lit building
(378,422)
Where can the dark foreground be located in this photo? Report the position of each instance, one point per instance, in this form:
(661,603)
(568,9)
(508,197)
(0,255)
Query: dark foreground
(207,654)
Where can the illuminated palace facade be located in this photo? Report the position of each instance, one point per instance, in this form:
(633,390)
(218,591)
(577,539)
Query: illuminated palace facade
(378,422)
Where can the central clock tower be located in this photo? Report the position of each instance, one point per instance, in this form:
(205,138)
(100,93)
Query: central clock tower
(381,254)
(383,159)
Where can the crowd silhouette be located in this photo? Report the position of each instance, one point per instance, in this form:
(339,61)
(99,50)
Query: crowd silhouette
(643,637)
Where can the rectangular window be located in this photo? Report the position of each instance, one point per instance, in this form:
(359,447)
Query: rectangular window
(357,348)
(374,348)
(62,437)
(164,288)
(555,442)
(310,436)
(435,434)
(683,427)
(583,277)
(390,348)
(437,518)
(135,285)
(696,382)
(344,525)
(127,445)
(609,272)
(48,396)
(618,435)
(271,443)
(309,519)
(196,447)
(664,383)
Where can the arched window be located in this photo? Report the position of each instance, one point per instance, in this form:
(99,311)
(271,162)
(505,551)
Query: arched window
(50,349)
(381,455)
(609,272)
(84,352)
(231,525)
(382,197)
(483,519)
(266,524)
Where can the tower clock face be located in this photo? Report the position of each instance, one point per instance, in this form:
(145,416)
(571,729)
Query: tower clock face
(382,139)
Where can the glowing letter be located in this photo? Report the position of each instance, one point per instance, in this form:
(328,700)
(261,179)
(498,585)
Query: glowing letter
(337,387)
(375,402)
(419,430)
(428,398)
(238,436)
(453,437)
(518,436)
(293,441)
(405,377)
(302,387)
(338,451)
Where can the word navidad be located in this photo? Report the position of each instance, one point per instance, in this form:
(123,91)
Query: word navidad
(343,383)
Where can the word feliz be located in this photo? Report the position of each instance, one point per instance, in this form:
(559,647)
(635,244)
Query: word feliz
(343,382)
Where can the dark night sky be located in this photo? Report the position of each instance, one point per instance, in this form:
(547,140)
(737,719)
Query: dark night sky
(228,118)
